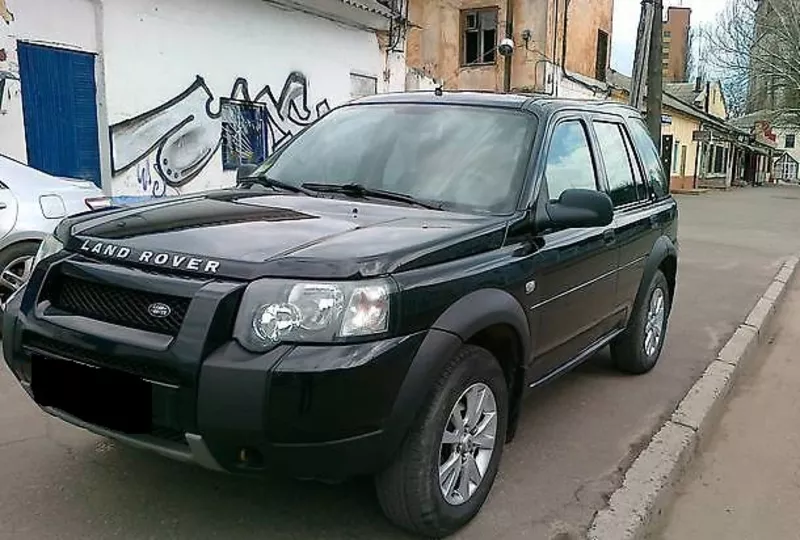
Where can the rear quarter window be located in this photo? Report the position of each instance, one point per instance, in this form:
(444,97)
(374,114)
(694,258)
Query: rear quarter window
(651,160)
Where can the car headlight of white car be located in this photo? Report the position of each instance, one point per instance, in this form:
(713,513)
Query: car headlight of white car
(277,311)
(49,247)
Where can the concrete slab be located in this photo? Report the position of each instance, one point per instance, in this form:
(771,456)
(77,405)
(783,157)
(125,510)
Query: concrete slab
(775,291)
(760,314)
(784,275)
(740,346)
(705,400)
(646,485)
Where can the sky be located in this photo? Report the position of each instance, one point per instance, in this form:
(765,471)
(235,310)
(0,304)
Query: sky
(626,24)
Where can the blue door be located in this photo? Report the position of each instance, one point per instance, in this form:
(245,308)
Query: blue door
(59,105)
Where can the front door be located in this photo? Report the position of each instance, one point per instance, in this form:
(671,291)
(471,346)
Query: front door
(59,105)
(576,278)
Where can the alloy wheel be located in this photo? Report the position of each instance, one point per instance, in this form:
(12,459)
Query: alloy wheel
(654,326)
(468,443)
(14,275)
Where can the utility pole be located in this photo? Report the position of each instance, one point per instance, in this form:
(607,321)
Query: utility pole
(642,54)
(655,75)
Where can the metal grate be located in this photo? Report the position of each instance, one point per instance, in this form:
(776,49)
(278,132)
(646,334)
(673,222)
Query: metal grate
(118,305)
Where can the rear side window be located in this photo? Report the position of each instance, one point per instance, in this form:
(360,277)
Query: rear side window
(619,168)
(569,160)
(651,160)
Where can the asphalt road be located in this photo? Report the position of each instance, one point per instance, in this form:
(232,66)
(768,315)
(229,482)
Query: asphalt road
(576,435)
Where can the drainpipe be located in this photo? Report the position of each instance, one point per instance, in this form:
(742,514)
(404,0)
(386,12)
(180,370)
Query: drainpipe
(566,74)
(555,51)
(509,35)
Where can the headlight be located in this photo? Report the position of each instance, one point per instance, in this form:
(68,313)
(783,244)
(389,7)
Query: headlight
(275,311)
(49,246)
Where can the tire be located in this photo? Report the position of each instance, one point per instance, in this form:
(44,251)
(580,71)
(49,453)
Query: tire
(409,490)
(631,351)
(12,257)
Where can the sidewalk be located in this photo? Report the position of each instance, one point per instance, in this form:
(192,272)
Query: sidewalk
(745,484)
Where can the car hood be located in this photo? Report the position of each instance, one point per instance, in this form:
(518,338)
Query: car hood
(241,235)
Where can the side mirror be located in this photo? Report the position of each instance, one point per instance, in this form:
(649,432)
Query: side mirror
(245,171)
(579,208)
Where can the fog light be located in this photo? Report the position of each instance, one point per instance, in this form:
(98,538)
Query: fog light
(250,457)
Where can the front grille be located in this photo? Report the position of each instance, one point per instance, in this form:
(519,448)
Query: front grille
(117,305)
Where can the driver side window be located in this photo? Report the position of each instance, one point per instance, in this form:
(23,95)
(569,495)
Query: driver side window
(569,160)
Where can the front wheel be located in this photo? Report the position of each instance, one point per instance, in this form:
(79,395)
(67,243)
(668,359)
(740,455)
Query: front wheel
(16,265)
(443,473)
(638,349)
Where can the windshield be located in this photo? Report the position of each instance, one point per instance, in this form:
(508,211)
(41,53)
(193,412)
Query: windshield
(470,158)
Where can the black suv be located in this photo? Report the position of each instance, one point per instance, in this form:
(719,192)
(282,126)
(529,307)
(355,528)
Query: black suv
(375,298)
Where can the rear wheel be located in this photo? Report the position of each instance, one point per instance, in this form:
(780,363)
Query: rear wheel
(443,473)
(638,349)
(16,265)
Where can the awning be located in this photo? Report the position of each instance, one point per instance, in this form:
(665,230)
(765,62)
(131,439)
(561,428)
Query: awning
(759,149)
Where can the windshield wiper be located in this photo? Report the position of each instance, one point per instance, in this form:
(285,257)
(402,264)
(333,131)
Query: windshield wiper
(264,180)
(362,191)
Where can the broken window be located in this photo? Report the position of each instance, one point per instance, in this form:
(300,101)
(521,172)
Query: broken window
(479,42)
(243,133)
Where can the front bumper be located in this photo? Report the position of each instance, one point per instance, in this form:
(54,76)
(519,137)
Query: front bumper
(325,412)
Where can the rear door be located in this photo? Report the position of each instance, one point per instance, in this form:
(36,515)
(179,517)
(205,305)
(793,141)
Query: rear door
(635,229)
(575,291)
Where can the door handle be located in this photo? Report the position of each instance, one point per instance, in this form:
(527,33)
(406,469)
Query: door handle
(609,237)
(3,206)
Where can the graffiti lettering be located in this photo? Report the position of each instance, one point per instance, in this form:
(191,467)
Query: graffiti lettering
(185,132)
(157,188)
(5,76)
(5,14)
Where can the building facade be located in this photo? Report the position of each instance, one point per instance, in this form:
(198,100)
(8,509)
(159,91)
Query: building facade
(676,44)
(160,97)
(455,43)
(781,135)
(699,147)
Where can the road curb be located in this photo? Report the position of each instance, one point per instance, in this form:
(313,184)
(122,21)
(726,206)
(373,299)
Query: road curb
(649,482)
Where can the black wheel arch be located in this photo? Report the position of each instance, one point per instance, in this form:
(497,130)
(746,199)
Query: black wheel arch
(486,318)
(664,257)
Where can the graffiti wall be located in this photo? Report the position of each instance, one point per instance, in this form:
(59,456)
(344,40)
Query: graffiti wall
(10,101)
(189,90)
(168,147)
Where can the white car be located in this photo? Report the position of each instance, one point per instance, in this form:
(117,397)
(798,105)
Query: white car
(32,203)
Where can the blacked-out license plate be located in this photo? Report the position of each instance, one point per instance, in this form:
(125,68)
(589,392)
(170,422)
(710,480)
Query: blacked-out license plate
(111,399)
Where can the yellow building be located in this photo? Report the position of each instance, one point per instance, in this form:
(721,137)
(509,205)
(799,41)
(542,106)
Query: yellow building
(699,148)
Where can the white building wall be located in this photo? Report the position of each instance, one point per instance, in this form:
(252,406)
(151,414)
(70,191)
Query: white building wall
(164,65)
(168,63)
(64,23)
